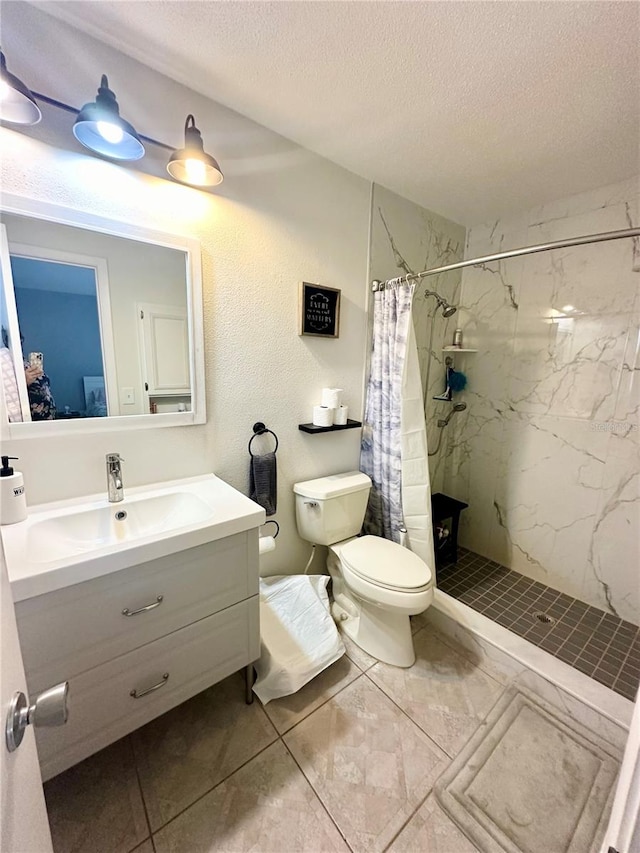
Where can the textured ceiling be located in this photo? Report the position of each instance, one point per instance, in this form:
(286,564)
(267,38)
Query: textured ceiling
(472,109)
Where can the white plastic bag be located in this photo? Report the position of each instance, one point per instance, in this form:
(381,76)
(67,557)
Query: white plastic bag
(298,636)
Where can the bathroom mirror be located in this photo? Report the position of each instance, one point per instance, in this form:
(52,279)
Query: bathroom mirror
(101,323)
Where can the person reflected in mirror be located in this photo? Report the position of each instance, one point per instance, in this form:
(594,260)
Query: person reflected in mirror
(41,402)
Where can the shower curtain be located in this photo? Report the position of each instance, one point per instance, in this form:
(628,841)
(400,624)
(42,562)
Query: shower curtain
(394,441)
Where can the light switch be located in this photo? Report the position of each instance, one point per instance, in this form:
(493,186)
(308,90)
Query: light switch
(127,396)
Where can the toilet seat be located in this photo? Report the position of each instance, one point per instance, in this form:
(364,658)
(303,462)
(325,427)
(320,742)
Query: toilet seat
(386,564)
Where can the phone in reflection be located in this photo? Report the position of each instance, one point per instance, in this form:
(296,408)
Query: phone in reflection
(36,360)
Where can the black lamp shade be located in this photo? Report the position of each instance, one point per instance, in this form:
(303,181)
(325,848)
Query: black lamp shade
(17,104)
(100,128)
(191,164)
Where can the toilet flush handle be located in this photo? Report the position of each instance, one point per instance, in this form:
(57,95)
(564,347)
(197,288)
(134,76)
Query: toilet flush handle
(312,504)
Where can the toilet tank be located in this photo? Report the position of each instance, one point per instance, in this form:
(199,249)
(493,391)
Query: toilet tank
(330,509)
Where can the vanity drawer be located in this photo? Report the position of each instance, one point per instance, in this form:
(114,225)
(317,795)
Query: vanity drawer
(73,629)
(101,708)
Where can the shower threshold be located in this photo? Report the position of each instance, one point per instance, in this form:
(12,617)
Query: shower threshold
(596,643)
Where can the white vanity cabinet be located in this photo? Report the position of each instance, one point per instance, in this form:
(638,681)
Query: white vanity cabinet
(134,643)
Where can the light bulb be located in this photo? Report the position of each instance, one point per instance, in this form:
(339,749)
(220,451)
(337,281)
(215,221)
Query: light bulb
(196,171)
(111,132)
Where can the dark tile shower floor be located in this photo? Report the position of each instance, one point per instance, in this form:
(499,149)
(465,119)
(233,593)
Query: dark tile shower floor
(600,645)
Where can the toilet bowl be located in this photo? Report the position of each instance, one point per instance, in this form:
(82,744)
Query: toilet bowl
(377,584)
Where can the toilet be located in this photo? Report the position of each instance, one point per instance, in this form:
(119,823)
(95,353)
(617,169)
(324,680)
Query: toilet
(377,584)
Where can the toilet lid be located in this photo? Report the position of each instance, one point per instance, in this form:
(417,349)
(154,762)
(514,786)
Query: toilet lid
(385,563)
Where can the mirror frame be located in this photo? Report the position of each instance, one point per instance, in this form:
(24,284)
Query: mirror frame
(34,209)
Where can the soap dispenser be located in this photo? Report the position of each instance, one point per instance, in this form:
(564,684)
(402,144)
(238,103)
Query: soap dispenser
(13,501)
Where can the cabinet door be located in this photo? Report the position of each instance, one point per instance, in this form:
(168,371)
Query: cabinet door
(79,627)
(164,341)
(112,700)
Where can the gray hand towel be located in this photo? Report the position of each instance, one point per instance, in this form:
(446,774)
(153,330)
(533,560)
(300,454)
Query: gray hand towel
(264,481)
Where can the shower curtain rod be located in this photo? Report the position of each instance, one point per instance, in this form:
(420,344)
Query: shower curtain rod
(512,253)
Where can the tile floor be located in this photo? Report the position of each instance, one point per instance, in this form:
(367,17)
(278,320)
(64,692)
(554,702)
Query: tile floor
(601,645)
(346,764)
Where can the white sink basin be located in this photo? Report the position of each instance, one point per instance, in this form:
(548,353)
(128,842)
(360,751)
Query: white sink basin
(72,541)
(78,531)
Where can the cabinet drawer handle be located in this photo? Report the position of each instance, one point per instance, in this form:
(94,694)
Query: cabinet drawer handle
(146,692)
(156,603)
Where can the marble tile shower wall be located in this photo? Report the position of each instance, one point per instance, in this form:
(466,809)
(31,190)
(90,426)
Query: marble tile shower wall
(407,238)
(547,454)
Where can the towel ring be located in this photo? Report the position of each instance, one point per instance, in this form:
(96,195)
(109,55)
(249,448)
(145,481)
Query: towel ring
(271,521)
(260,429)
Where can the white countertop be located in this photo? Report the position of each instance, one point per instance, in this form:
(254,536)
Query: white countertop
(39,561)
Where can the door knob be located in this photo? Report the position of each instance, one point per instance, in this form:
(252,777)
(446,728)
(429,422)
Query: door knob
(49,709)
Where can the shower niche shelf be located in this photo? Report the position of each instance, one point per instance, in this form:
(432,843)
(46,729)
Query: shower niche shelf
(312,428)
(458,349)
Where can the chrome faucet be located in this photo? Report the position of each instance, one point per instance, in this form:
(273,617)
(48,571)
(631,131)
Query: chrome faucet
(114,477)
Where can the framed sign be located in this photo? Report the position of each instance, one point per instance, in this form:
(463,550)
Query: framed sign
(319,310)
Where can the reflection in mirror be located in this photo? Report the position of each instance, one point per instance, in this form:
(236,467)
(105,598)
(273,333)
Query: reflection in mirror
(94,325)
(57,308)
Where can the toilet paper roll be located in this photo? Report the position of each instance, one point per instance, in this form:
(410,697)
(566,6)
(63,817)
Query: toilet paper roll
(331,397)
(340,415)
(322,416)
(266,544)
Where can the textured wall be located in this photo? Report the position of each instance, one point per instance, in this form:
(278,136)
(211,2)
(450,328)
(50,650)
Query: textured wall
(407,238)
(282,215)
(547,454)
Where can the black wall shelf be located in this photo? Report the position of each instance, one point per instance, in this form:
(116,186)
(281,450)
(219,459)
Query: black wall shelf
(312,428)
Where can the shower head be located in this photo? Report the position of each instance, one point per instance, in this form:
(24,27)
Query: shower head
(448,310)
(459,407)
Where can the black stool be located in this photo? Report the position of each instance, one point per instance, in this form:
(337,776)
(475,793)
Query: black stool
(442,508)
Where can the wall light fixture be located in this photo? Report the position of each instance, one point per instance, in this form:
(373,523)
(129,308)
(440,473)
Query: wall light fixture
(191,164)
(100,127)
(17,103)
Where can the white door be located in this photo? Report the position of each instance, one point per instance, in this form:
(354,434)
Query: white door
(165,348)
(24,827)
(623,832)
